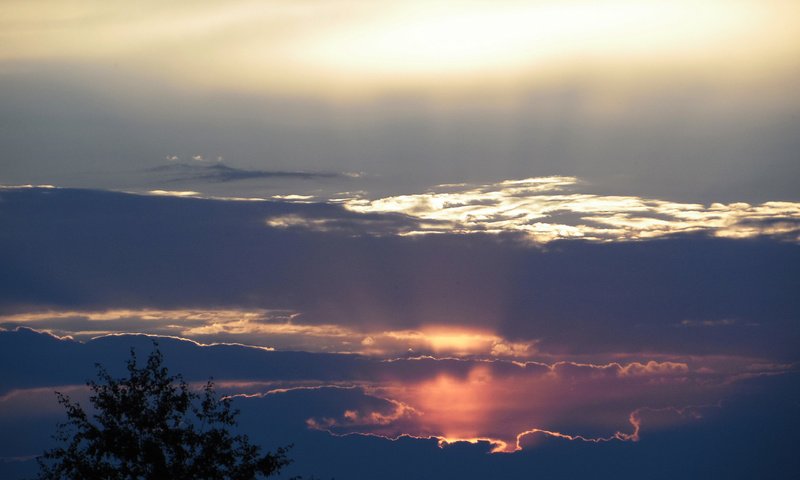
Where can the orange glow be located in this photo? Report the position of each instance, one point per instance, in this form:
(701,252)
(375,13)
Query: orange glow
(278,329)
(454,406)
(470,409)
(518,410)
(458,341)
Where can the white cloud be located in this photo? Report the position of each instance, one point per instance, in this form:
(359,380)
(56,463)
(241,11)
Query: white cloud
(551,208)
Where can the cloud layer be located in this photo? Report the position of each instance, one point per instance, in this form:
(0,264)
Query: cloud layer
(452,405)
(420,239)
(101,253)
(445,346)
(550,208)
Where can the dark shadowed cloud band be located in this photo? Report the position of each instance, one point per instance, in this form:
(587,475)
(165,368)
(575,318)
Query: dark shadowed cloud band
(337,399)
(219,172)
(90,252)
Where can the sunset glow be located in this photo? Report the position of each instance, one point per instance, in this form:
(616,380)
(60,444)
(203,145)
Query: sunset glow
(271,328)
(359,45)
(456,38)
(425,239)
(514,408)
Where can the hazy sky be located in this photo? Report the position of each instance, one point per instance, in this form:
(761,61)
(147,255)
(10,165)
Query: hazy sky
(683,100)
(417,239)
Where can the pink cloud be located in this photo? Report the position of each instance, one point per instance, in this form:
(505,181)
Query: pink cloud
(512,408)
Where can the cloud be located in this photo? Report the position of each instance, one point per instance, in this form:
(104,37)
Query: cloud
(92,252)
(370,224)
(174,193)
(207,171)
(451,400)
(723,322)
(463,407)
(551,208)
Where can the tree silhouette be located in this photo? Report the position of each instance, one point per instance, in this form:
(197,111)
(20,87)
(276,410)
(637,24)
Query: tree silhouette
(151,425)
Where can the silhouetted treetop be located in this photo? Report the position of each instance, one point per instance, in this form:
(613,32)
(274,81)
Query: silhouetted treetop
(151,425)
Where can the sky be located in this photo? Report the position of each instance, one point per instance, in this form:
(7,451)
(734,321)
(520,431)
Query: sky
(421,239)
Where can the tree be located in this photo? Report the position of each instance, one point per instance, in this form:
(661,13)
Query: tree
(151,425)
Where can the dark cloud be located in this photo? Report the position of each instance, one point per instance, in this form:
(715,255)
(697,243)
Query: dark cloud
(748,434)
(671,358)
(80,249)
(752,439)
(218,172)
(34,360)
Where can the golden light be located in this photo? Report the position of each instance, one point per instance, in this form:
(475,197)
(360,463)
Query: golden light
(529,206)
(459,342)
(357,47)
(456,341)
(428,40)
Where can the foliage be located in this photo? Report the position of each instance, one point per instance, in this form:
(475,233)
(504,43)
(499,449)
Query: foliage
(151,425)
